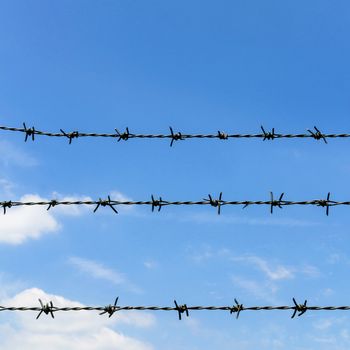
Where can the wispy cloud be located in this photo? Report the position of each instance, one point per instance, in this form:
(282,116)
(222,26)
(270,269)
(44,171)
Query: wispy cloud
(204,254)
(6,188)
(275,272)
(11,155)
(309,270)
(327,323)
(100,271)
(261,290)
(272,271)
(278,272)
(97,270)
(150,264)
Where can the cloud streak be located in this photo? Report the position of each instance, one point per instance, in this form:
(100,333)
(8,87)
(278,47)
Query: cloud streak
(279,272)
(97,270)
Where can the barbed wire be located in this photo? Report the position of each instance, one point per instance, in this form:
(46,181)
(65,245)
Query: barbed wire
(159,203)
(110,310)
(173,136)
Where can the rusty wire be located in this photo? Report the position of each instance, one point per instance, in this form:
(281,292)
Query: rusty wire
(236,308)
(30,133)
(159,203)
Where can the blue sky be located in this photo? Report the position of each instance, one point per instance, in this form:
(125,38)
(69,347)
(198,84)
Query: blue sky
(200,67)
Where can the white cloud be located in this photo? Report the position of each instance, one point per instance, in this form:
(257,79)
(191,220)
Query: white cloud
(69,330)
(22,223)
(31,222)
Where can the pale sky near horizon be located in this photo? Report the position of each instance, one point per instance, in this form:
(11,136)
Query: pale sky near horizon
(200,67)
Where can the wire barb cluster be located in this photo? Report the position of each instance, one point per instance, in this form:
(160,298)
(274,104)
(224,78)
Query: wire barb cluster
(173,136)
(159,203)
(110,310)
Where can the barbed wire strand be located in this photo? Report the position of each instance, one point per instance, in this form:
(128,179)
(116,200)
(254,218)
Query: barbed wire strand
(159,203)
(236,308)
(30,133)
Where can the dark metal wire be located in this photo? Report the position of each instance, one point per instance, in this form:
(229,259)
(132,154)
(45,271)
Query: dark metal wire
(159,203)
(237,308)
(174,136)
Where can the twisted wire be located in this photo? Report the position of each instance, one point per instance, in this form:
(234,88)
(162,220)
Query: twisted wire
(159,203)
(236,308)
(173,136)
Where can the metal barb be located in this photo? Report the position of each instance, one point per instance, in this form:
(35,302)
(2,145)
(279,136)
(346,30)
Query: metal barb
(325,203)
(175,136)
(301,308)
(156,203)
(29,132)
(181,309)
(123,136)
(6,204)
(46,309)
(236,308)
(245,205)
(317,135)
(270,135)
(222,135)
(52,204)
(215,202)
(110,309)
(70,135)
(276,203)
(106,202)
